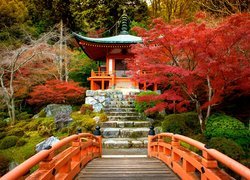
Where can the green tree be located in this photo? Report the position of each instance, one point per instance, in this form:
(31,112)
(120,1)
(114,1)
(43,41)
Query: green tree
(173,9)
(91,15)
(80,68)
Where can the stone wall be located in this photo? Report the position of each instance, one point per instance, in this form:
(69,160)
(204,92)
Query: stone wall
(103,98)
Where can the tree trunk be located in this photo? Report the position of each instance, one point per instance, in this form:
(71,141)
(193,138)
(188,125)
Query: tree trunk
(60,53)
(200,116)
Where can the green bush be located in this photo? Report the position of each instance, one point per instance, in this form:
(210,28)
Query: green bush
(8,142)
(46,127)
(186,124)
(21,142)
(141,106)
(42,113)
(3,124)
(86,109)
(103,117)
(4,165)
(23,116)
(2,135)
(220,125)
(16,131)
(85,122)
(33,124)
(227,146)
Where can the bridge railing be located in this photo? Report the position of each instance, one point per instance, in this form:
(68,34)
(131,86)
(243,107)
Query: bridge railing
(188,164)
(80,149)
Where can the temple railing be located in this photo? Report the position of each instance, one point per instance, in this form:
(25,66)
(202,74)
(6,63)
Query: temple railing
(188,164)
(79,150)
(117,73)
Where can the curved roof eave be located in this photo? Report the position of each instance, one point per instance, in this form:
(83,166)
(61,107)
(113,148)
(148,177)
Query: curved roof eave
(119,39)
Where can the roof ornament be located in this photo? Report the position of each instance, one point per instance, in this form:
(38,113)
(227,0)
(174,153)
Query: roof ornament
(124,23)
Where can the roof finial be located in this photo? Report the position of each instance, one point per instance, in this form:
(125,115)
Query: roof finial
(124,22)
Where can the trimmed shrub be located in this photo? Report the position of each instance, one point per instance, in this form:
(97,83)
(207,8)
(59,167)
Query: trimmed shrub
(227,146)
(21,142)
(186,124)
(4,165)
(86,109)
(8,142)
(141,106)
(220,125)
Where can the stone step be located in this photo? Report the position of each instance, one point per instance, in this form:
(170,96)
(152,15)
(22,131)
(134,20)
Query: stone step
(122,124)
(118,106)
(118,109)
(120,143)
(124,118)
(124,132)
(122,114)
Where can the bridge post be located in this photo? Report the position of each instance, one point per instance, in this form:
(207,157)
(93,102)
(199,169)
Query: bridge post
(151,134)
(98,134)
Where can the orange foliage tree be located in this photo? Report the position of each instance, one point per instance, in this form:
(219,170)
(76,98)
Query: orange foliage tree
(193,63)
(56,91)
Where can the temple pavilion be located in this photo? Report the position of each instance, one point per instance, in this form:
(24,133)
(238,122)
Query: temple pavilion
(110,53)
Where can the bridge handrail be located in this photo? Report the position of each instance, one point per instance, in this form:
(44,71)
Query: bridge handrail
(185,162)
(47,156)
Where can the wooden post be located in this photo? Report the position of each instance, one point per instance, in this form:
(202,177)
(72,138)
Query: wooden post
(155,87)
(102,84)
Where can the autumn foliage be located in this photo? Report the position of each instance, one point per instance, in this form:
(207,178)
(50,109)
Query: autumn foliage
(56,91)
(193,63)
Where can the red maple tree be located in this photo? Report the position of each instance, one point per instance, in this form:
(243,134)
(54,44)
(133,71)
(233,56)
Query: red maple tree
(193,63)
(56,91)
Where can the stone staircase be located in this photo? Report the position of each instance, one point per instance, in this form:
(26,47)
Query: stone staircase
(125,127)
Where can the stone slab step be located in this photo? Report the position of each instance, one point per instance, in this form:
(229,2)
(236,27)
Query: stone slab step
(120,143)
(124,132)
(122,114)
(123,118)
(122,124)
(116,109)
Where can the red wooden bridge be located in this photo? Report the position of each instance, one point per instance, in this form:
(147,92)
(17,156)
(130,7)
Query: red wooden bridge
(80,157)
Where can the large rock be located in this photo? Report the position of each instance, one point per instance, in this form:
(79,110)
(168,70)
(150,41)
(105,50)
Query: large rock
(62,119)
(97,107)
(90,100)
(90,93)
(46,144)
(52,110)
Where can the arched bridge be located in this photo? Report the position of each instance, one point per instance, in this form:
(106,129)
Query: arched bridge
(80,157)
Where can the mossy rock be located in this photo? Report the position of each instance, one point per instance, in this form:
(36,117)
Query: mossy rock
(8,142)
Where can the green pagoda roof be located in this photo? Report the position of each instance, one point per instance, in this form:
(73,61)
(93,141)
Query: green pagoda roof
(119,39)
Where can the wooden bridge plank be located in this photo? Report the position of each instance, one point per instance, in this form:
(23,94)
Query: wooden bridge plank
(126,168)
